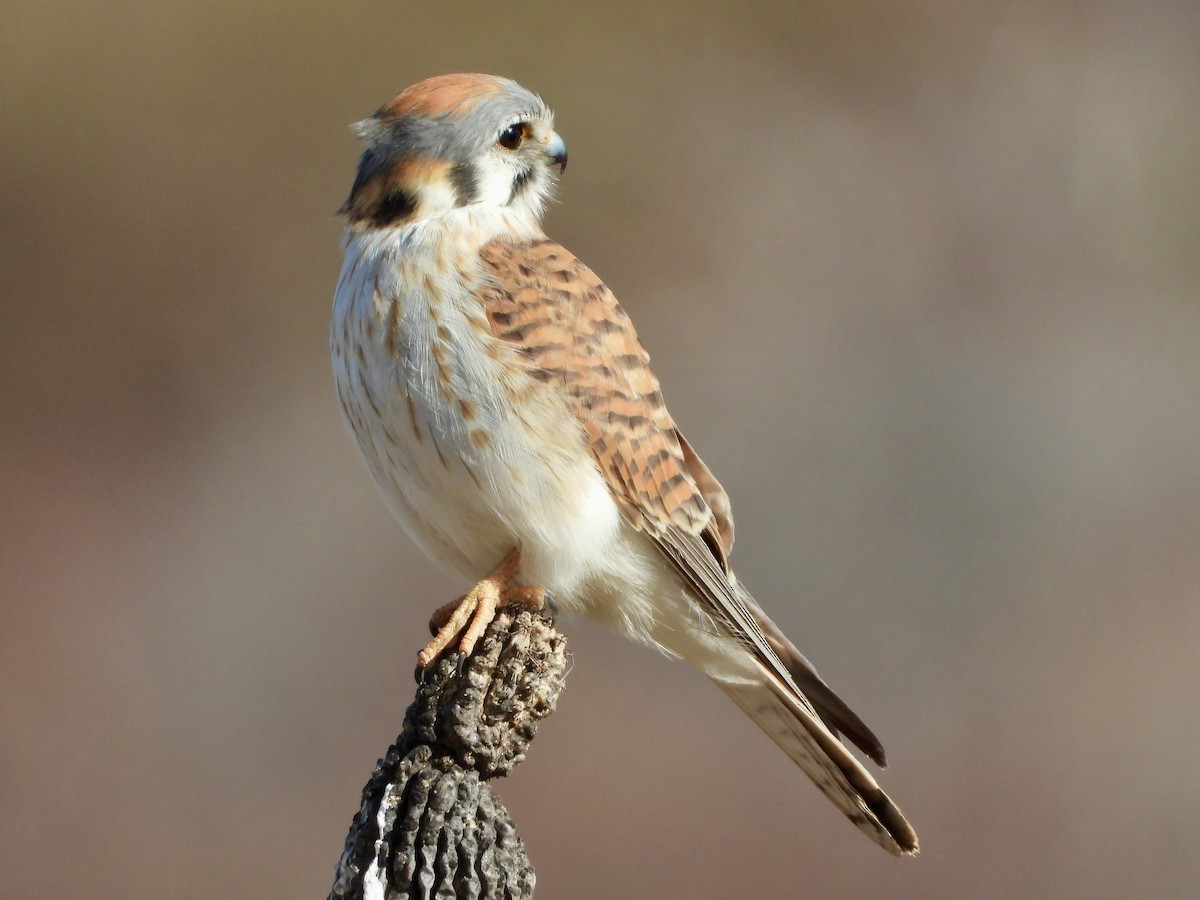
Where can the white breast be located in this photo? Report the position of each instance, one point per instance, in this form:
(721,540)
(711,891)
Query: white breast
(471,453)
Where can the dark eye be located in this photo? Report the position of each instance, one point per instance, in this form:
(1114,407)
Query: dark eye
(512,137)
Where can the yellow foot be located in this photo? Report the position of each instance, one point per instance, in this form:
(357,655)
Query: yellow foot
(471,614)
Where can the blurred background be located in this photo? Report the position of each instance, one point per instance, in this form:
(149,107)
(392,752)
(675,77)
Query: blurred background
(921,281)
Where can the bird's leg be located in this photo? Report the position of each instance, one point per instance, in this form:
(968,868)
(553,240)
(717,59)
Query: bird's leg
(471,614)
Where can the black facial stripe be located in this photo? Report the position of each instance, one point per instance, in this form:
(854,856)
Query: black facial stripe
(520,184)
(465,182)
(397,205)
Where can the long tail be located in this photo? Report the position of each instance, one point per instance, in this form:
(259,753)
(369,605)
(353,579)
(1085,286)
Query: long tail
(800,733)
(837,716)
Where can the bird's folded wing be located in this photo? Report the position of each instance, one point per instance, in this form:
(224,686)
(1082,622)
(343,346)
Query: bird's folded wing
(574,334)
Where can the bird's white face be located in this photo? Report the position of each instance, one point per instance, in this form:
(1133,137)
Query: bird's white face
(445,144)
(518,168)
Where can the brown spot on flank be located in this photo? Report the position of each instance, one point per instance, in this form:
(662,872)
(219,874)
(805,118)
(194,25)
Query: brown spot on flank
(412,417)
(452,95)
(366,392)
(468,410)
(480,439)
(391,336)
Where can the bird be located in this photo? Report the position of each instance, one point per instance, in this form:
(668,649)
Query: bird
(506,409)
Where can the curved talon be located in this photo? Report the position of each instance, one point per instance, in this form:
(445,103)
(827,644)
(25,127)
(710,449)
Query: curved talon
(471,604)
(475,610)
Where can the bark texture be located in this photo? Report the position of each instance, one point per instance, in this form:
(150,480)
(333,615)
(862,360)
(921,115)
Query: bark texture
(430,825)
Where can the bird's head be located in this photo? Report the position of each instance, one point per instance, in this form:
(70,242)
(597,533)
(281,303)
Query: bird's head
(453,141)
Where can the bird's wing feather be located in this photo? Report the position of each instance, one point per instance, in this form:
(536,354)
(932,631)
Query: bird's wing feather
(825,759)
(575,334)
(572,330)
(837,716)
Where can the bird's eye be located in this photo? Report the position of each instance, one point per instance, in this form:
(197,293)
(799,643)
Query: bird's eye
(513,136)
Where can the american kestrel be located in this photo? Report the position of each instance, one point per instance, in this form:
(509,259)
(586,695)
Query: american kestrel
(507,411)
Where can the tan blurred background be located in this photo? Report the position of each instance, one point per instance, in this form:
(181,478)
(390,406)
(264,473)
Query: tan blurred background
(921,281)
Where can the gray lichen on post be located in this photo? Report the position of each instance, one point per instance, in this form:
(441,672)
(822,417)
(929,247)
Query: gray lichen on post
(430,825)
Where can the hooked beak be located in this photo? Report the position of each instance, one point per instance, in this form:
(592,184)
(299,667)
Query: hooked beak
(556,149)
